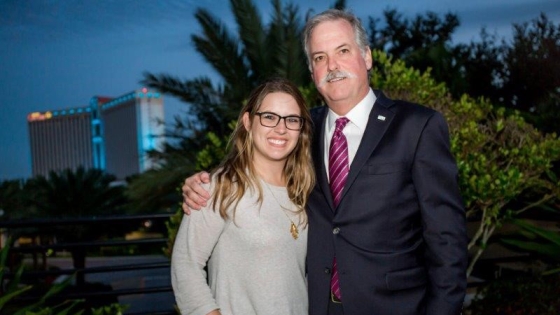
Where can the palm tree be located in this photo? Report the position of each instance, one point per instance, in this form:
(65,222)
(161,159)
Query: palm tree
(76,194)
(258,51)
(13,203)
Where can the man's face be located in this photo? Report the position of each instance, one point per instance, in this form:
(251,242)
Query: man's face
(339,69)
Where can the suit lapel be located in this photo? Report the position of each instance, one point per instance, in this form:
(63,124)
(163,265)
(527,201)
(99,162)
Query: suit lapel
(379,120)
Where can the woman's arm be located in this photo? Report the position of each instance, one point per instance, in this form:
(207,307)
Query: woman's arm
(196,238)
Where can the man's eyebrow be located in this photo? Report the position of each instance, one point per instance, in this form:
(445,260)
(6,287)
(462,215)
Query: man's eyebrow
(343,45)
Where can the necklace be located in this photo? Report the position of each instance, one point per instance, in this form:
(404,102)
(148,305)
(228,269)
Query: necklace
(293,227)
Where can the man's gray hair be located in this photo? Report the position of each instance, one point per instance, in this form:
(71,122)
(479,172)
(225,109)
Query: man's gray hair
(333,15)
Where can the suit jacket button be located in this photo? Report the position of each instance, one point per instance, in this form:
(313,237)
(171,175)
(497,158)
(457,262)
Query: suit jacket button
(335,230)
(327,270)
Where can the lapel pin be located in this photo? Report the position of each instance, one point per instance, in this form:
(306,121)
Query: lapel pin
(382,118)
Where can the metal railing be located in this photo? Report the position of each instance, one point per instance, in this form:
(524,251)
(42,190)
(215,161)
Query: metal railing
(40,271)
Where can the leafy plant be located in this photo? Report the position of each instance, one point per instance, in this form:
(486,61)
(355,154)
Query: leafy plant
(13,288)
(533,239)
(113,309)
(501,158)
(519,295)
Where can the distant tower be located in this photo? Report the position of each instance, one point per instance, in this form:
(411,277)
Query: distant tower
(112,134)
(132,125)
(60,139)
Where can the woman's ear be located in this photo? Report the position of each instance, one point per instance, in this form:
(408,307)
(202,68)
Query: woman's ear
(246,121)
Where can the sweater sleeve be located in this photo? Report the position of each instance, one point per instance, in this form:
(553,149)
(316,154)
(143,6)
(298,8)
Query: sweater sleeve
(198,234)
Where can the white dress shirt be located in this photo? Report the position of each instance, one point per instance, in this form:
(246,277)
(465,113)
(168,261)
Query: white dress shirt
(354,130)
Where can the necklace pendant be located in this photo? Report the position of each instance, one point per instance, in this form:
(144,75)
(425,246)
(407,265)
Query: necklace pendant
(294,230)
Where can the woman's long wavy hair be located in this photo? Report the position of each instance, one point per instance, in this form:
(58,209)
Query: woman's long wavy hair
(236,173)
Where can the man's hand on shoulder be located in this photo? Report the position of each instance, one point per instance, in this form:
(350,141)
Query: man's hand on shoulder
(194,195)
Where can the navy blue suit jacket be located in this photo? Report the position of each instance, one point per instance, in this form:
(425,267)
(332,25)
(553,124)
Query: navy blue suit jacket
(399,232)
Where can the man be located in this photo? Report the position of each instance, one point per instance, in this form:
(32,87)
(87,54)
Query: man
(387,235)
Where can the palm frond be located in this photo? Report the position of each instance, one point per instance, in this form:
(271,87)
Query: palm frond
(284,37)
(167,84)
(222,51)
(252,34)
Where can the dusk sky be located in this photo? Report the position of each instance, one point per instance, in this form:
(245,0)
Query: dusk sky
(57,54)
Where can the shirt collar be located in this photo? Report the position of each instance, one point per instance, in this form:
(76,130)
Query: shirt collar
(358,115)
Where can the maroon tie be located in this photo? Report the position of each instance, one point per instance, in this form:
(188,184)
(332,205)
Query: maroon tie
(338,172)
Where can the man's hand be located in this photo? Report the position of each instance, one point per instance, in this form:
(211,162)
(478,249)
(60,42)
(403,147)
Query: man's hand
(194,196)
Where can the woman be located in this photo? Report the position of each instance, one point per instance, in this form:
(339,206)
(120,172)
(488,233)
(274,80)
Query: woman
(252,236)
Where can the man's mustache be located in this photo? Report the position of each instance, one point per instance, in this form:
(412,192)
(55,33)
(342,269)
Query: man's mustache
(337,74)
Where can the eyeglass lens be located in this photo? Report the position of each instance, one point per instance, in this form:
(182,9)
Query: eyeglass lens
(272,120)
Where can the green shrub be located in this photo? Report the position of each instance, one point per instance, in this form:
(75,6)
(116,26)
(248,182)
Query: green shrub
(505,164)
(524,294)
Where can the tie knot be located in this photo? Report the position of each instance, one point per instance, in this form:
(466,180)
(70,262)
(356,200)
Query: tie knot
(340,123)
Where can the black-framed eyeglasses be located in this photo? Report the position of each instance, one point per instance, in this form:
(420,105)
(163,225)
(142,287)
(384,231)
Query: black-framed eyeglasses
(271,120)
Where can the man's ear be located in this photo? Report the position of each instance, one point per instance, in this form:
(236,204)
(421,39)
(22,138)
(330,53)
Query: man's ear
(368,59)
(246,121)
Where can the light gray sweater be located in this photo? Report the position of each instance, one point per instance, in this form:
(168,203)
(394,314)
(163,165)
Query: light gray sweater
(255,266)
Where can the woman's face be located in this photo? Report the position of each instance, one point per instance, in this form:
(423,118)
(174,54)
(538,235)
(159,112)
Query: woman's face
(274,144)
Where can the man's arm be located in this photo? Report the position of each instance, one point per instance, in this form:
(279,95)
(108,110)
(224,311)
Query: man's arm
(194,195)
(443,218)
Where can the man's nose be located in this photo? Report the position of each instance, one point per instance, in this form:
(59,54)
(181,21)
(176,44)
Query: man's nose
(332,64)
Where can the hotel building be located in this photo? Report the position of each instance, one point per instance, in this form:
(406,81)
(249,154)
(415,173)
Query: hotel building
(112,134)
